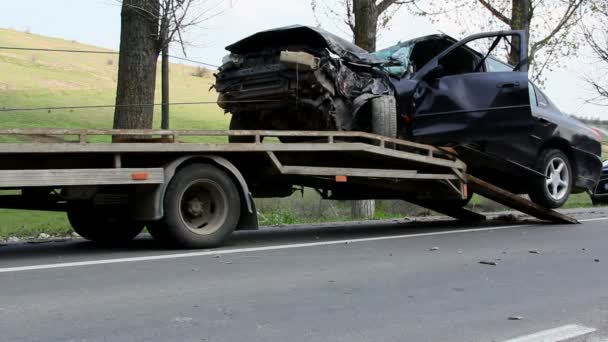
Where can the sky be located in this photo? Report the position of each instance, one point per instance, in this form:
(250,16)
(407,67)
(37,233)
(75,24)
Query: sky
(97,22)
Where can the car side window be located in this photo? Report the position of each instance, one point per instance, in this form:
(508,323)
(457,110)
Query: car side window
(493,65)
(481,54)
(532,92)
(541,100)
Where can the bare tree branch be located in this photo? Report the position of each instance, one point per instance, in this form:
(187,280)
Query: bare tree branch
(495,12)
(383,5)
(565,22)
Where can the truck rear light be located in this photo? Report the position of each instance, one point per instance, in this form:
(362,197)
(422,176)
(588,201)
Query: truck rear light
(341,179)
(140,176)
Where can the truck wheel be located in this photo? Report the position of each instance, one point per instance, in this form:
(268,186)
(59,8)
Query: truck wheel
(384,116)
(103,225)
(553,190)
(202,208)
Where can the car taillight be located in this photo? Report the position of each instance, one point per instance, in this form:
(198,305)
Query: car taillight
(598,135)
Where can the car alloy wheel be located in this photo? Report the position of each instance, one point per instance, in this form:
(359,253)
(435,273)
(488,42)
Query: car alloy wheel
(557,178)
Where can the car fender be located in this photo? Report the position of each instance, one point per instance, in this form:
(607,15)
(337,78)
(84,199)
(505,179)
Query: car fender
(149,199)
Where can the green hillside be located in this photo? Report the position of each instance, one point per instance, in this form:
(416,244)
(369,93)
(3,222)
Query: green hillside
(53,79)
(56,79)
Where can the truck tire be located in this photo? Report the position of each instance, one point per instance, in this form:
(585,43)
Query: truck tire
(554,190)
(384,116)
(202,208)
(103,225)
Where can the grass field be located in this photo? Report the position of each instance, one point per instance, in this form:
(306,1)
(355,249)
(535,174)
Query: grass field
(57,79)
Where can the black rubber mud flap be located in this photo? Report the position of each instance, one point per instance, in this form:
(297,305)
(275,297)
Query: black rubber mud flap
(248,220)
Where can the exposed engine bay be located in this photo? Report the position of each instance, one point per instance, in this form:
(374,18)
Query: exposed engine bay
(318,88)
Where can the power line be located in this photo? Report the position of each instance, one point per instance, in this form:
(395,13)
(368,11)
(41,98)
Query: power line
(128,105)
(98,52)
(193,61)
(58,50)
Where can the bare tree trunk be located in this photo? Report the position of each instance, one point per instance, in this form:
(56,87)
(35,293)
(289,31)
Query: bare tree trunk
(520,20)
(366,23)
(365,32)
(363,209)
(139,50)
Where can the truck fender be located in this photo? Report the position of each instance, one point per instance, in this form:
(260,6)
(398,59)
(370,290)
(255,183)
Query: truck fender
(149,199)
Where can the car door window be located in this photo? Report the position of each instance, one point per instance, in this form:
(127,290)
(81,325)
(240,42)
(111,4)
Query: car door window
(494,65)
(541,98)
(485,52)
(532,93)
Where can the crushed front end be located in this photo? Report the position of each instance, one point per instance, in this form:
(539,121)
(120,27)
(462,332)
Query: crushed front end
(298,78)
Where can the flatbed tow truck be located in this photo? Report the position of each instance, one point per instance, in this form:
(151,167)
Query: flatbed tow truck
(194,195)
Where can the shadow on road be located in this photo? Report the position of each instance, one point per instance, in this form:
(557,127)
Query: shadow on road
(145,245)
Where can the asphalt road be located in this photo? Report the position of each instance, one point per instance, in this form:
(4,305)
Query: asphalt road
(365,282)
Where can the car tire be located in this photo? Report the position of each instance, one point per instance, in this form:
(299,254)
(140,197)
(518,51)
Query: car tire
(202,207)
(384,116)
(554,190)
(103,225)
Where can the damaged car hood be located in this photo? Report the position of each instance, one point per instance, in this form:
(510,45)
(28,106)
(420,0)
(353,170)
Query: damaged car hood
(305,35)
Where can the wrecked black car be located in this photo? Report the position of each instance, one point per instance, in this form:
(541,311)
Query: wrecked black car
(434,90)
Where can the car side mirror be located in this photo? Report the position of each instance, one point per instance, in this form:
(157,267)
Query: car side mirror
(434,73)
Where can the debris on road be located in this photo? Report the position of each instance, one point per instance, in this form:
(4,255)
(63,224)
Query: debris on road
(597,260)
(491,263)
(534,252)
(434,249)
(515,318)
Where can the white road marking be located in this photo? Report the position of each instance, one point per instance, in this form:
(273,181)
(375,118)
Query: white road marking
(253,249)
(594,219)
(554,335)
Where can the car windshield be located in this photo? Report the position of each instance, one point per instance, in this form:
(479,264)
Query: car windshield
(397,58)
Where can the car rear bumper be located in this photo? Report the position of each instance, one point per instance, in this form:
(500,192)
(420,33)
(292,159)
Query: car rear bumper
(588,168)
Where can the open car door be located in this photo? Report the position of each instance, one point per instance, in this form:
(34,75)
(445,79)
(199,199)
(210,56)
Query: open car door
(462,100)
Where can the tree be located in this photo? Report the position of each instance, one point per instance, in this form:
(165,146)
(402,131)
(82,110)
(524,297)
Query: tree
(549,25)
(139,49)
(147,28)
(594,31)
(364,18)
